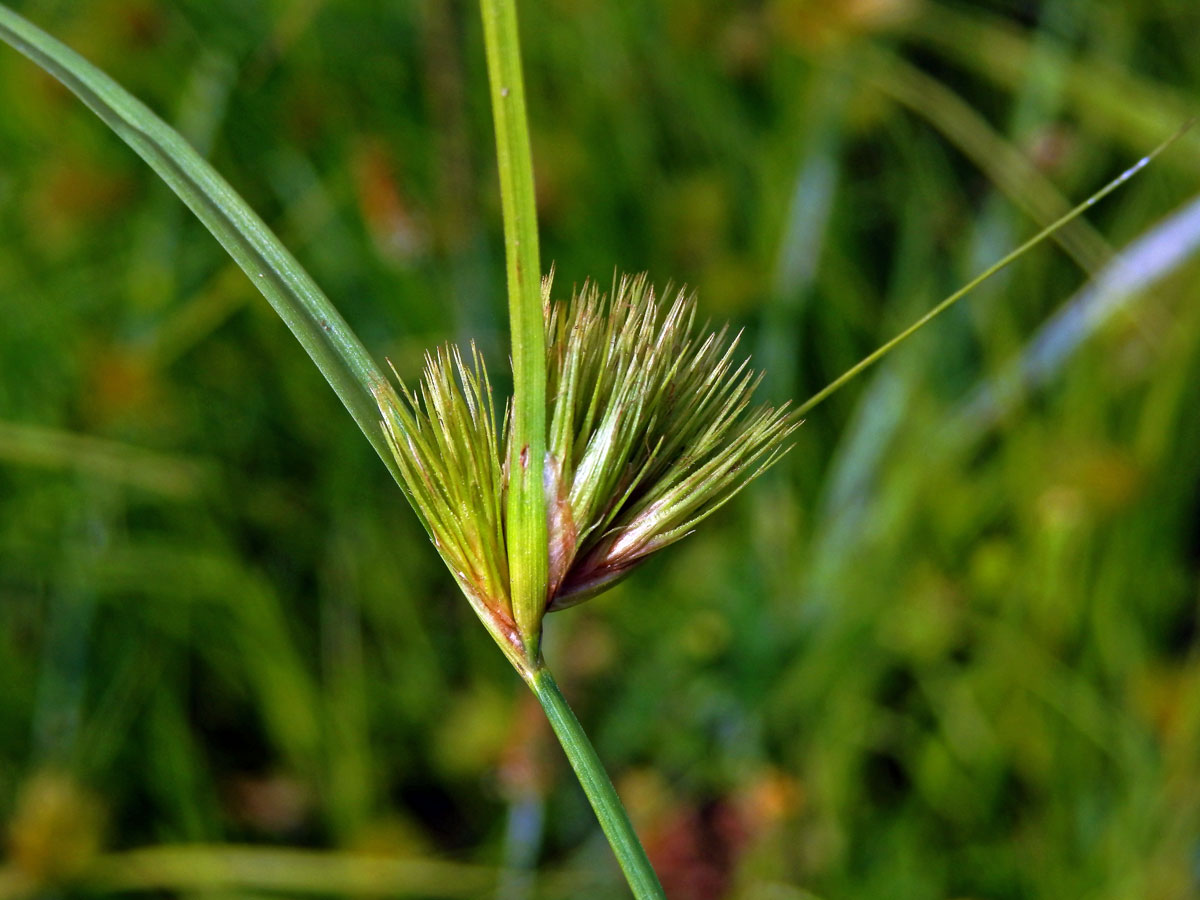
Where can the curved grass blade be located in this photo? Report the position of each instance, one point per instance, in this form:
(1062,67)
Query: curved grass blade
(290,290)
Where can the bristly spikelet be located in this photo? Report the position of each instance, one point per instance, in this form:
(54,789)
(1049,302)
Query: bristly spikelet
(650,432)
(444,439)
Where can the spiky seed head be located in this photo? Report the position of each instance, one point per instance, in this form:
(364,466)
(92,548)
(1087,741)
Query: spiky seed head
(650,431)
(444,439)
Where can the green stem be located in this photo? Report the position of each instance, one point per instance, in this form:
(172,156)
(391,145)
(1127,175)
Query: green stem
(599,789)
(527,553)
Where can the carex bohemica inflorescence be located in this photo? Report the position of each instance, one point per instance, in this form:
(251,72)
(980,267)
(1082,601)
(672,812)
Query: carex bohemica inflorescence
(651,429)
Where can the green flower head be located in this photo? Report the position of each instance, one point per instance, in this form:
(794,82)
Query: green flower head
(651,430)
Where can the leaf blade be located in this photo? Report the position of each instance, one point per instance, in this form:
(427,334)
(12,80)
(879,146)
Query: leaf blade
(293,294)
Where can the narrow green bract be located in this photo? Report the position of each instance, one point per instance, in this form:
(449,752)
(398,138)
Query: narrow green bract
(525,506)
(291,291)
(651,430)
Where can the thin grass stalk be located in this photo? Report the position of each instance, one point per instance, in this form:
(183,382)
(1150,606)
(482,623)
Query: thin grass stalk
(614,821)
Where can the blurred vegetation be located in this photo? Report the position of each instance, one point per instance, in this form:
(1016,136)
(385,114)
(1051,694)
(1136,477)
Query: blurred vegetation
(936,653)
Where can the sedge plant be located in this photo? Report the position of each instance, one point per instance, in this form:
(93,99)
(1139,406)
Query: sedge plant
(631,419)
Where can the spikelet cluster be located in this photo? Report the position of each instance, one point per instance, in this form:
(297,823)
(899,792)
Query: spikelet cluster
(444,439)
(651,429)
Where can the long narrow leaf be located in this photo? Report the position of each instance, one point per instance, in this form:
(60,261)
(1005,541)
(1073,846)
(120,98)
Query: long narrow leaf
(289,289)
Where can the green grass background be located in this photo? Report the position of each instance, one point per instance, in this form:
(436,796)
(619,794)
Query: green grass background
(930,655)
